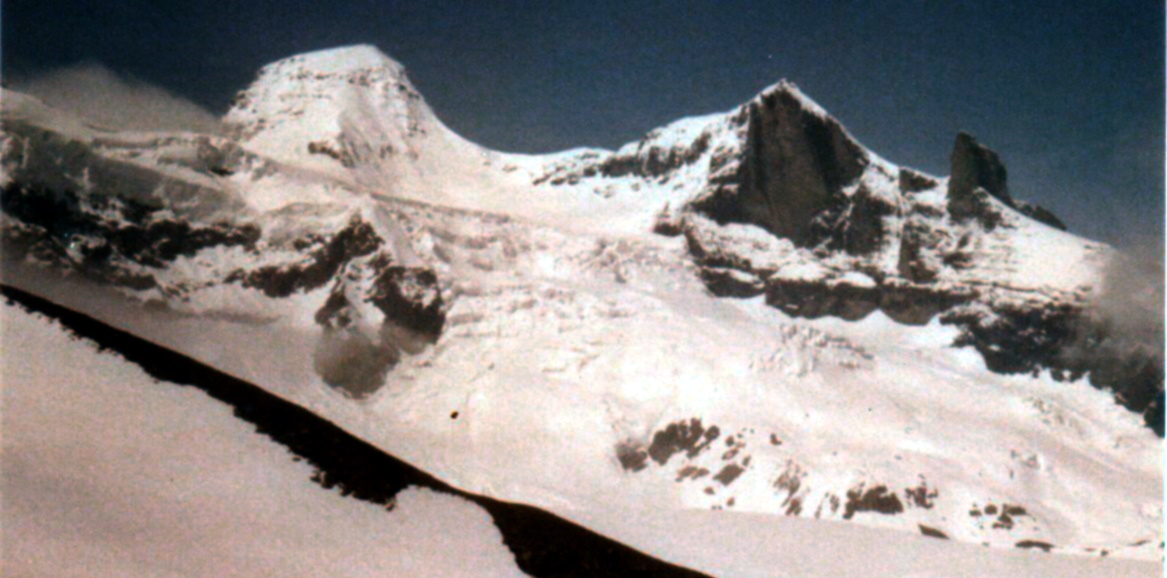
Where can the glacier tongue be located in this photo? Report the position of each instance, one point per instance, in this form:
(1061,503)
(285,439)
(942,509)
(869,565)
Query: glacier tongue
(741,311)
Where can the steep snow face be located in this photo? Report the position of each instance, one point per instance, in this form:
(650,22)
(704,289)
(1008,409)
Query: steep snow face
(109,472)
(348,112)
(551,329)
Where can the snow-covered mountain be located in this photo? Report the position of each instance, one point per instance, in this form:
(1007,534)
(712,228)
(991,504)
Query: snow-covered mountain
(742,312)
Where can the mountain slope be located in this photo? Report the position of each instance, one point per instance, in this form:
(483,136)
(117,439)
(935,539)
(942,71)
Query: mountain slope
(274,533)
(746,311)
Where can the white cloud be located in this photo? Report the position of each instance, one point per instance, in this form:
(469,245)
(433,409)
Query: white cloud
(106,98)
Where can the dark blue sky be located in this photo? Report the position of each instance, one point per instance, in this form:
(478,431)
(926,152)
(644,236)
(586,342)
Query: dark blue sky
(1070,94)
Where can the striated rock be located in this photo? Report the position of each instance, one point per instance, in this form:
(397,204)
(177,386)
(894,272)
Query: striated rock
(917,304)
(905,303)
(709,250)
(814,298)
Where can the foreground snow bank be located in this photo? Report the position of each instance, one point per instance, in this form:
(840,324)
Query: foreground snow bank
(110,473)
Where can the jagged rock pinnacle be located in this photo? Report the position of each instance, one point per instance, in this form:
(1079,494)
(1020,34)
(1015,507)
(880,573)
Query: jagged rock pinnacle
(976,167)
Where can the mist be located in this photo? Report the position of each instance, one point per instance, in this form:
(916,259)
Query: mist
(1119,337)
(111,100)
(1129,302)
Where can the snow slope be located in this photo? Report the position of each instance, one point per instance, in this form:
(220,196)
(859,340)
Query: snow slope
(556,330)
(139,477)
(108,472)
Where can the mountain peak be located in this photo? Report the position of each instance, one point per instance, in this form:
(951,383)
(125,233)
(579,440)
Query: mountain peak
(332,110)
(790,91)
(339,60)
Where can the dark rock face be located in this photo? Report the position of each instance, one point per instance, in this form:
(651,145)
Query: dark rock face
(358,361)
(812,298)
(975,166)
(681,437)
(794,165)
(107,238)
(1016,339)
(904,302)
(726,282)
(408,296)
(854,224)
(631,456)
(916,304)
(651,160)
(1040,214)
(931,532)
(357,239)
(1043,546)
(975,205)
(977,173)
(667,223)
(1062,338)
(918,261)
(913,182)
(703,248)
(876,499)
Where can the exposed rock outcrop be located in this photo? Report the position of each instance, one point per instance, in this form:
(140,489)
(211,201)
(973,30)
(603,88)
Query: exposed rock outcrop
(108,238)
(360,344)
(795,162)
(978,173)
(1040,214)
(318,266)
(1066,339)
(975,166)
(652,160)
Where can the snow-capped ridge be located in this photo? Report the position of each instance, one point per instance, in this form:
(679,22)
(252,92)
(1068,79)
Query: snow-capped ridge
(342,59)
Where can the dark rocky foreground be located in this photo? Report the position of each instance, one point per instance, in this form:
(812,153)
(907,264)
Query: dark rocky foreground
(543,544)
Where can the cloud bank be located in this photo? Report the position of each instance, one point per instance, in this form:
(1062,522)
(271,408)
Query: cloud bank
(105,98)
